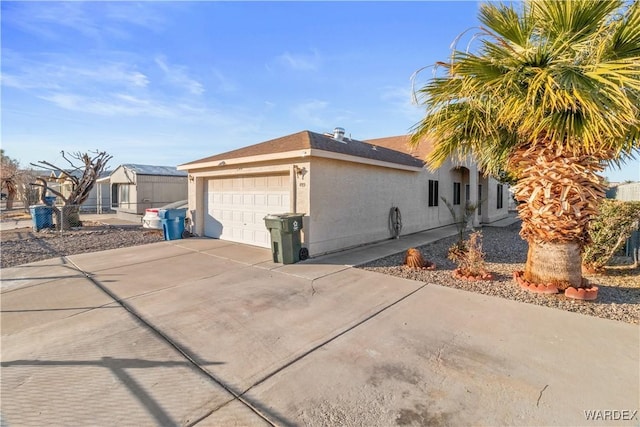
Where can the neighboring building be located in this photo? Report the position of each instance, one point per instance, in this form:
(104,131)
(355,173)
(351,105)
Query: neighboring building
(135,188)
(629,191)
(345,188)
(98,200)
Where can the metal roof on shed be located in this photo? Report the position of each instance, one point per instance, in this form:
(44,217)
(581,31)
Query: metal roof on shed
(154,170)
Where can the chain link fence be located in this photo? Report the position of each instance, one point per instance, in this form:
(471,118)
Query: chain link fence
(58,217)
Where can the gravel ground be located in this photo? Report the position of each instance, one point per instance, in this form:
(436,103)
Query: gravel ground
(23,245)
(618,299)
(618,295)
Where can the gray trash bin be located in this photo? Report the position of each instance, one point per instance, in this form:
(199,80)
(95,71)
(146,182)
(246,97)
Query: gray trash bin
(286,244)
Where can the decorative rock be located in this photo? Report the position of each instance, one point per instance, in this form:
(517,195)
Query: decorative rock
(508,252)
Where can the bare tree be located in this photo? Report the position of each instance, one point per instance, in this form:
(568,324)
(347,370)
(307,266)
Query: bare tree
(9,171)
(84,171)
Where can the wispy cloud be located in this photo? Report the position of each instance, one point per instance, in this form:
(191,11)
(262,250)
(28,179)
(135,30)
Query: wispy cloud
(106,87)
(139,14)
(311,112)
(52,71)
(225,84)
(178,75)
(399,101)
(95,20)
(300,61)
(116,105)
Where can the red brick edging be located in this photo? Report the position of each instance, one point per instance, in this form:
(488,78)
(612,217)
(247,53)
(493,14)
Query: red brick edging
(460,275)
(532,287)
(585,294)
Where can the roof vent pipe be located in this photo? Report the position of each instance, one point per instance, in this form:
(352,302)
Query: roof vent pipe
(338,133)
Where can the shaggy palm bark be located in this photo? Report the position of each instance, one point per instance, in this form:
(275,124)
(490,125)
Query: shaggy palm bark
(558,195)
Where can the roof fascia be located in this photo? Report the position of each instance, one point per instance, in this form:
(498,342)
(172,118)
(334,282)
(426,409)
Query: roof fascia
(243,160)
(362,160)
(294,155)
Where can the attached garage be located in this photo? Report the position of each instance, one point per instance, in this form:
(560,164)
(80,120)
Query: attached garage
(235,207)
(344,188)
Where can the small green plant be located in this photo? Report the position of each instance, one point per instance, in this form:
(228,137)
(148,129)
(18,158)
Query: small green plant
(461,221)
(469,257)
(608,231)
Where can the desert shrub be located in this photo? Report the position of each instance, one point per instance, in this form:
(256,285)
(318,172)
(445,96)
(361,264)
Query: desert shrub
(468,255)
(609,229)
(461,221)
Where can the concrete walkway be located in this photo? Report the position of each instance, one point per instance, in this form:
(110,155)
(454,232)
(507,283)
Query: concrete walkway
(211,333)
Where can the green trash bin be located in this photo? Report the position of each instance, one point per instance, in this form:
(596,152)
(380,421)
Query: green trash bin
(286,244)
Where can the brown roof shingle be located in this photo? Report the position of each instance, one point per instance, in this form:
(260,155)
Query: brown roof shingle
(401,143)
(310,140)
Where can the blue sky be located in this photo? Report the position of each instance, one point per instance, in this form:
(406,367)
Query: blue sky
(166,83)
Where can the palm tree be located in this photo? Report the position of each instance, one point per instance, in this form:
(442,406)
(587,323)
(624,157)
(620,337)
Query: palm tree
(551,97)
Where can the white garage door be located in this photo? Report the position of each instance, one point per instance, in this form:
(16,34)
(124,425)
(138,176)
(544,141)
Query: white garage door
(235,207)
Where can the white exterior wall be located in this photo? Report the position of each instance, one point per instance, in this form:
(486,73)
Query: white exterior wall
(122,176)
(299,192)
(628,192)
(347,204)
(92,203)
(491,212)
(350,202)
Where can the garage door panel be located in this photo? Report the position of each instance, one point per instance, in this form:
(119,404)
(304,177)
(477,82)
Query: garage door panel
(274,200)
(239,205)
(260,183)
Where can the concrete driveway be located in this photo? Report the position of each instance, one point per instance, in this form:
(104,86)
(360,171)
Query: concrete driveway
(213,333)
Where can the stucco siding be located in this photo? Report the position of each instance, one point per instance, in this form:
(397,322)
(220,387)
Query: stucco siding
(350,203)
(491,204)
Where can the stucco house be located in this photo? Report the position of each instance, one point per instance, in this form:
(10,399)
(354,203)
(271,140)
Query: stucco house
(135,187)
(345,188)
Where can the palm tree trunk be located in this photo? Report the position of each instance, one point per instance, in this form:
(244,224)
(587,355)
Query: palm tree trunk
(554,263)
(559,194)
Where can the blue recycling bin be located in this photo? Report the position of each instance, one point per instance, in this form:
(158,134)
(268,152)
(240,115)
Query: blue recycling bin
(50,200)
(41,216)
(172,229)
(172,223)
(172,213)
